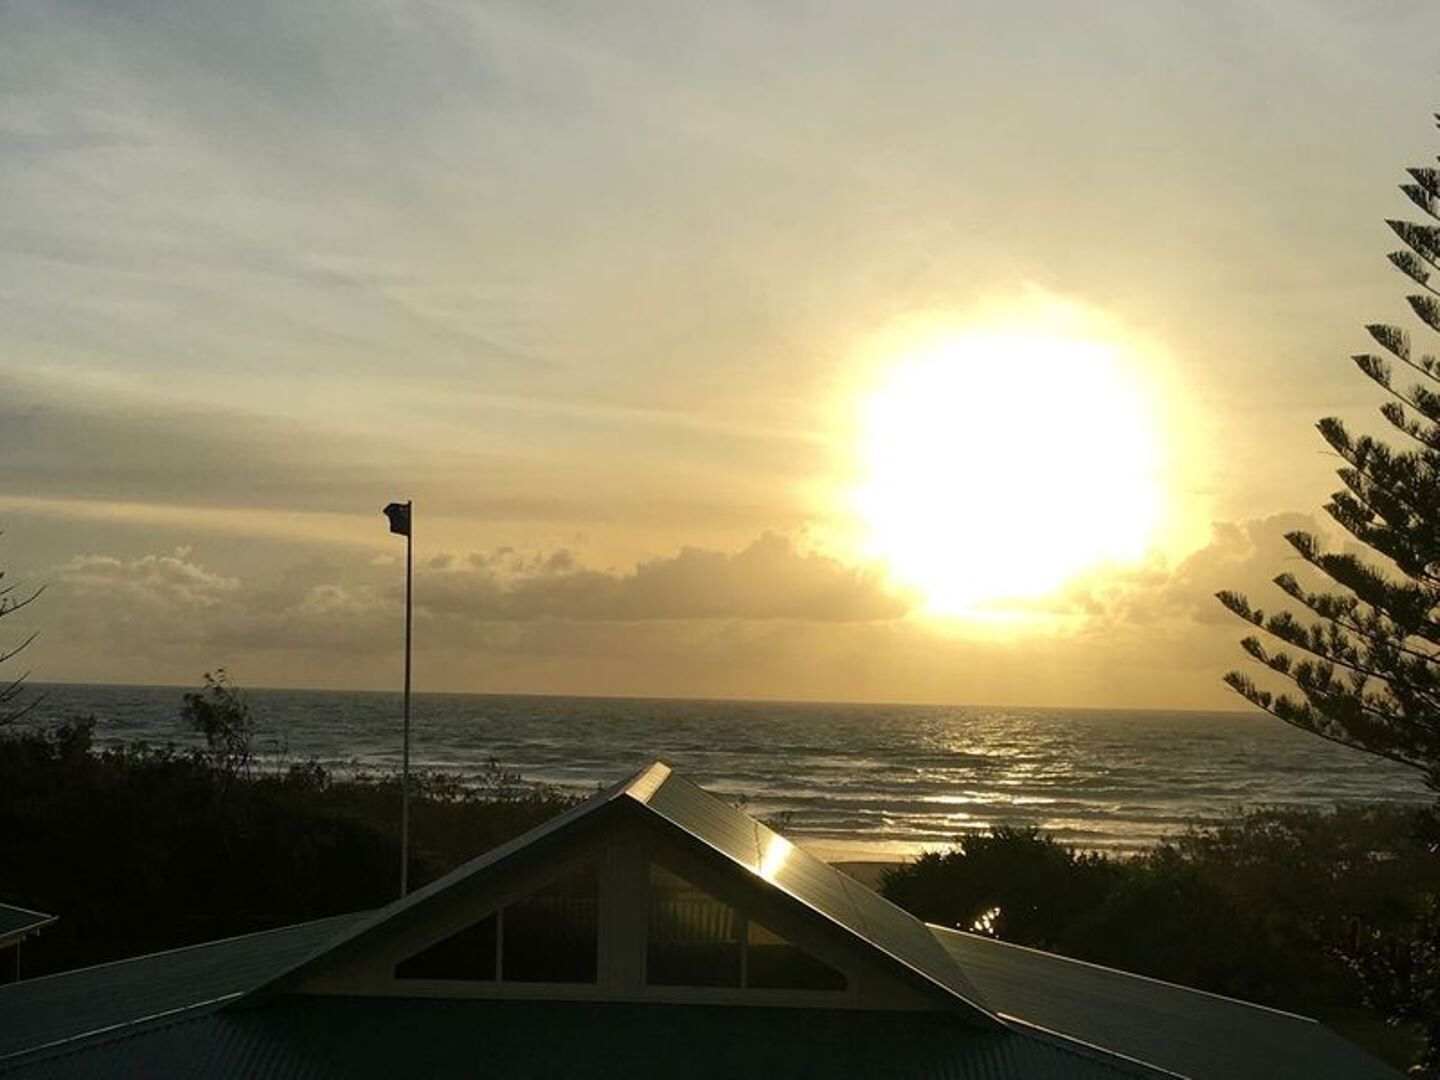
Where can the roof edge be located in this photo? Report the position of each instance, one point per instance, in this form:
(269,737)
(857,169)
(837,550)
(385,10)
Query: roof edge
(1076,1045)
(41,919)
(28,911)
(932,927)
(14,937)
(69,972)
(71,1043)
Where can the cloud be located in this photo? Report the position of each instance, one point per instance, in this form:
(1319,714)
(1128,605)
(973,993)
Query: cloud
(769,579)
(768,620)
(159,583)
(171,612)
(1243,556)
(567,269)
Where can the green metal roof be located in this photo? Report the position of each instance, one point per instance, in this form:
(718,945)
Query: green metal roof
(19,922)
(313,1037)
(35,1012)
(178,1014)
(1187,1032)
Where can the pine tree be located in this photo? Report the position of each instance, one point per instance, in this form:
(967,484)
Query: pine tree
(1366,658)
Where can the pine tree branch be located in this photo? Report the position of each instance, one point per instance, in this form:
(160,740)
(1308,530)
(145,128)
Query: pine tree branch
(1396,342)
(1281,664)
(1315,603)
(1371,588)
(1243,686)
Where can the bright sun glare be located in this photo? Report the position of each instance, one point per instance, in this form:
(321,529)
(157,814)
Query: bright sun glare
(1000,465)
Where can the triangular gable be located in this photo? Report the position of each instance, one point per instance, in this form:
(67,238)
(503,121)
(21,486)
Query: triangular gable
(751,858)
(872,921)
(468,875)
(697,939)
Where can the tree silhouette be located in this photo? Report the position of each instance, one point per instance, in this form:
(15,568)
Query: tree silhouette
(222,715)
(11,601)
(1366,658)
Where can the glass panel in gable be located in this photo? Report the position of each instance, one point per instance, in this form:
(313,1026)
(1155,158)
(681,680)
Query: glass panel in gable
(468,955)
(773,963)
(553,935)
(692,938)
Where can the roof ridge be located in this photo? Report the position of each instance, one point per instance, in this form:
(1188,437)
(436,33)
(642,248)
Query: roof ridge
(647,781)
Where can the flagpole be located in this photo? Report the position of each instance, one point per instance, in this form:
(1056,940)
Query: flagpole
(405,752)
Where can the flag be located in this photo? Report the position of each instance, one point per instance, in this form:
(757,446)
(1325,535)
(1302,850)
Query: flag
(399,515)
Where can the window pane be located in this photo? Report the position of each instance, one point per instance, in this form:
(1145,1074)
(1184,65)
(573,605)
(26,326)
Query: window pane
(468,955)
(552,936)
(693,939)
(772,963)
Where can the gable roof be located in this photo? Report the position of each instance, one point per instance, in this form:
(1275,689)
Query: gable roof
(1187,1032)
(19,922)
(869,918)
(656,795)
(1047,1016)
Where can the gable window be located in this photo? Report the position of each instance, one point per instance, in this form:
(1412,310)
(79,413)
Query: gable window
(550,936)
(553,935)
(694,939)
(772,963)
(468,956)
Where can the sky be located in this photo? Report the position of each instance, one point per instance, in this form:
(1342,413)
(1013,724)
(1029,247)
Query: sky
(612,292)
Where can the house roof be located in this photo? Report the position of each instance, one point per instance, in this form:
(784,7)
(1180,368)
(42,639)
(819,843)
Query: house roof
(1185,1032)
(54,1008)
(835,896)
(19,922)
(659,796)
(308,1037)
(170,1013)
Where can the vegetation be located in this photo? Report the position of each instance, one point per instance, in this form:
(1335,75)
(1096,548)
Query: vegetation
(144,847)
(1367,657)
(1331,914)
(11,601)
(222,715)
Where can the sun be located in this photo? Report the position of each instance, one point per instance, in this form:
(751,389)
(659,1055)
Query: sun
(999,465)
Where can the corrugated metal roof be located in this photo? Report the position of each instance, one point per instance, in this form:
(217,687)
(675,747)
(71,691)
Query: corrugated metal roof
(55,1007)
(1189,1032)
(17,922)
(316,1038)
(162,1014)
(870,918)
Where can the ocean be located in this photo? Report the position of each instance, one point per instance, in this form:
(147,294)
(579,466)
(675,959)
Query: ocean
(850,781)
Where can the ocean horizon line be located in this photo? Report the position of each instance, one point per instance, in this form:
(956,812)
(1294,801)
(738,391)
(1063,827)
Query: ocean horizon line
(542,695)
